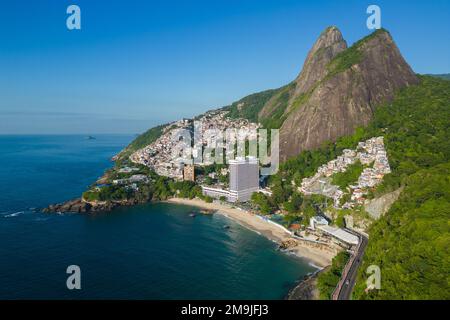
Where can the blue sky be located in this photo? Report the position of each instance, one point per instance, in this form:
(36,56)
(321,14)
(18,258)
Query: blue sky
(135,64)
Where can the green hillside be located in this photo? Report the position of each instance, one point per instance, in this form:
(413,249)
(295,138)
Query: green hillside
(142,140)
(249,107)
(411,242)
(445,76)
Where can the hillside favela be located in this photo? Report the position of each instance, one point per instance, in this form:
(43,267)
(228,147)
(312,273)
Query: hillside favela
(334,185)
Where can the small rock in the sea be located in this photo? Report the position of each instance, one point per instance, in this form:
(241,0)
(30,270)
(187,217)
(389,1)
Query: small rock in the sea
(206,211)
(288,244)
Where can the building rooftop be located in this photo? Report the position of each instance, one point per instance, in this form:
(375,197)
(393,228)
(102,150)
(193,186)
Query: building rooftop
(320,220)
(243,160)
(340,234)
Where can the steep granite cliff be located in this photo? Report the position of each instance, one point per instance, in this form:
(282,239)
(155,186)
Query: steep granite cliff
(338,89)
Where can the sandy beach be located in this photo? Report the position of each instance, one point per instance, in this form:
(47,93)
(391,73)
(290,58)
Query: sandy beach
(319,257)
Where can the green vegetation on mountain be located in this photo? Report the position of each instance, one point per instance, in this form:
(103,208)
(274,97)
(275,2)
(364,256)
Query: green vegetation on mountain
(351,55)
(350,176)
(279,104)
(344,60)
(250,106)
(277,100)
(411,242)
(301,99)
(415,127)
(142,141)
(328,280)
(445,76)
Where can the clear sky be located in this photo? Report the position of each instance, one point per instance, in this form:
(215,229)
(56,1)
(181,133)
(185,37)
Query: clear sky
(135,64)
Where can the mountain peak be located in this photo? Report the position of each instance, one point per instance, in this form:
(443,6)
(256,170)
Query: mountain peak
(329,44)
(378,35)
(339,88)
(330,36)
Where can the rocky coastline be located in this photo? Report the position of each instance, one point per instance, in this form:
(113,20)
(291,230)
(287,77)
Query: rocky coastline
(306,288)
(81,206)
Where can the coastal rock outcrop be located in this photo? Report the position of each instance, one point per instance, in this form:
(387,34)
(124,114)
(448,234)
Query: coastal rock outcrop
(80,206)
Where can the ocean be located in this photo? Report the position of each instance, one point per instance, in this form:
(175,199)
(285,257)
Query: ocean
(152,251)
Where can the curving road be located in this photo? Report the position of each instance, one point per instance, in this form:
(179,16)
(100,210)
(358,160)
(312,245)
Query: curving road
(346,284)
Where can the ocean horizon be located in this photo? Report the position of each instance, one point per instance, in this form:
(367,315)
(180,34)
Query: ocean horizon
(150,251)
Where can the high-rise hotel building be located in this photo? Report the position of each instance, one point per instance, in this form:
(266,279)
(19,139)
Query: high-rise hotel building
(244,177)
(244,180)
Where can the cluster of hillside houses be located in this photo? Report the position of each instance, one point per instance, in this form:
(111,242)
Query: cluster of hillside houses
(369,153)
(167,155)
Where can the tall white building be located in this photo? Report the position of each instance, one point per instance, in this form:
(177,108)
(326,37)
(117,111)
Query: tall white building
(244,177)
(244,180)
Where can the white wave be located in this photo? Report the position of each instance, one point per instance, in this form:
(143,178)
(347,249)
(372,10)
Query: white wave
(15,214)
(315,266)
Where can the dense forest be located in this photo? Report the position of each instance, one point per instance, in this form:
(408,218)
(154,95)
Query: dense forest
(411,242)
(328,280)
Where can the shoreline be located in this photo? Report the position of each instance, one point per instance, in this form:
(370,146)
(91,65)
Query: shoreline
(317,257)
(306,288)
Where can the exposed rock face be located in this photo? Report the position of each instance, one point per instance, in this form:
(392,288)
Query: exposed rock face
(339,89)
(379,206)
(329,44)
(307,288)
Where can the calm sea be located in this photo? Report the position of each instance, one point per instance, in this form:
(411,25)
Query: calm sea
(153,251)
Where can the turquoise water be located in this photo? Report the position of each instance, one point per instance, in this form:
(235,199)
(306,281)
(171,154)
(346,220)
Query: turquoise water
(153,251)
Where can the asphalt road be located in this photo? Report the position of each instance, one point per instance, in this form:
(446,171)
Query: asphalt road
(349,281)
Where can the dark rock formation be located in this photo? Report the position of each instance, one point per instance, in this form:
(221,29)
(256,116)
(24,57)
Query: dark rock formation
(80,206)
(306,289)
(328,46)
(338,89)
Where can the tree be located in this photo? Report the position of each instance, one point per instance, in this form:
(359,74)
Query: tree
(350,176)
(328,280)
(209,181)
(262,202)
